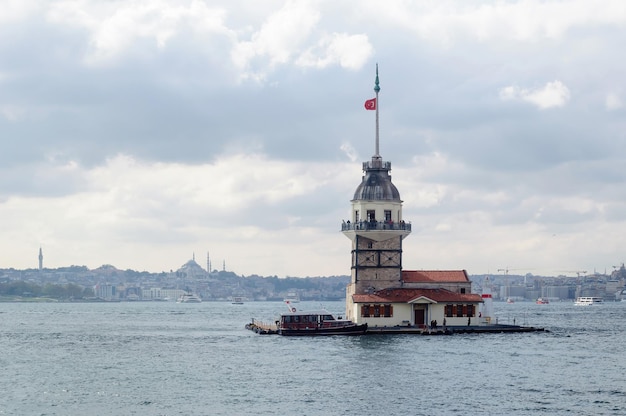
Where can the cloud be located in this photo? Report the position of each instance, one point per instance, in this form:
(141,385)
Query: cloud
(349,51)
(451,21)
(613,102)
(553,94)
(115,27)
(281,35)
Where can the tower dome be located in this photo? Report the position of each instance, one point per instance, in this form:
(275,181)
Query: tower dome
(376,184)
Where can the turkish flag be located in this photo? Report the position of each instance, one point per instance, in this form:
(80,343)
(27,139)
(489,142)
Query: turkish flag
(370,104)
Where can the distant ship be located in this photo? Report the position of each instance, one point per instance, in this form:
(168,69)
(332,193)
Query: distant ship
(237,300)
(587,300)
(542,301)
(189,298)
(292,297)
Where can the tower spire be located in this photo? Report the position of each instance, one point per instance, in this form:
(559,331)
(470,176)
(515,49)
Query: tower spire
(377,90)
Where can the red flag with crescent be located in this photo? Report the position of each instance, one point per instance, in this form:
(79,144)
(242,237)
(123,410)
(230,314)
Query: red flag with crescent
(370,104)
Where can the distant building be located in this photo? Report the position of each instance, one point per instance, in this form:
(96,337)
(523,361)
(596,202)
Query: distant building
(40,259)
(105,291)
(191,269)
(380,293)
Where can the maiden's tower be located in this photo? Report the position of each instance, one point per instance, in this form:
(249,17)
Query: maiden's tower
(380,292)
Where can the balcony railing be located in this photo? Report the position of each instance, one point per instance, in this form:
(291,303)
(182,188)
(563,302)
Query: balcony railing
(376,164)
(375,226)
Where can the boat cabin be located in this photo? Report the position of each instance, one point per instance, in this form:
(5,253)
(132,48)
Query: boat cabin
(310,319)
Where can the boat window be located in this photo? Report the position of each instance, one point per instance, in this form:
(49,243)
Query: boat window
(328,318)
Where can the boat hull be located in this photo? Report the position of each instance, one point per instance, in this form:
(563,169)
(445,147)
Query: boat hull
(347,330)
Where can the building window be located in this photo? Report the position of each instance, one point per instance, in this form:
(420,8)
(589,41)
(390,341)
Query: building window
(356,215)
(388,311)
(365,311)
(370,244)
(377,311)
(371,215)
(449,311)
(459,310)
(462,290)
(470,310)
(387,215)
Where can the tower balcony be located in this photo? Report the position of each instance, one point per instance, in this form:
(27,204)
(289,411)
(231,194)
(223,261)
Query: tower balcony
(376,163)
(376,230)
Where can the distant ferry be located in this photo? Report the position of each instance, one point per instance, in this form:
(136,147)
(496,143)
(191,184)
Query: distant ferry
(587,300)
(189,298)
(292,297)
(542,301)
(237,300)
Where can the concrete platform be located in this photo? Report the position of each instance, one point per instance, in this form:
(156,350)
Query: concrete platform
(262,328)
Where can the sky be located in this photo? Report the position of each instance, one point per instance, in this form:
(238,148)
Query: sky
(142,133)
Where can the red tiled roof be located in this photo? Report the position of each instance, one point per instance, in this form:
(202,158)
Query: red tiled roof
(435,276)
(409,295)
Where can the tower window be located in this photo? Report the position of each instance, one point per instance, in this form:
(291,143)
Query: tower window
(387,215)
(370,244)
(356,215)
(371,215)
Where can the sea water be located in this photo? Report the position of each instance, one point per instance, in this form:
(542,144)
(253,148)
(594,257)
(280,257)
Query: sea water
(164,358)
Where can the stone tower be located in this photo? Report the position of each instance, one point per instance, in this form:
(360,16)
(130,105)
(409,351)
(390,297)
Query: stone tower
(376,227)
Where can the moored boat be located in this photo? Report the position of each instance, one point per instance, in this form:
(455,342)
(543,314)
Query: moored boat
(587,300)
(316,322)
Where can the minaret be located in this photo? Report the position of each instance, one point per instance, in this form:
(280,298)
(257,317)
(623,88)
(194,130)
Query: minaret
(208,262)
(40,259)
(376,227)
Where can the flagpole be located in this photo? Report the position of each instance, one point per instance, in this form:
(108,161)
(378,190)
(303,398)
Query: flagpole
(377,89)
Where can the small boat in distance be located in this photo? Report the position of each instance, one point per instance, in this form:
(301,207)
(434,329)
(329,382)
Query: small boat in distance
(542,301)
(315,323)
(587,300)
(292,297)
(510,300)
(237,300)
(189,298)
